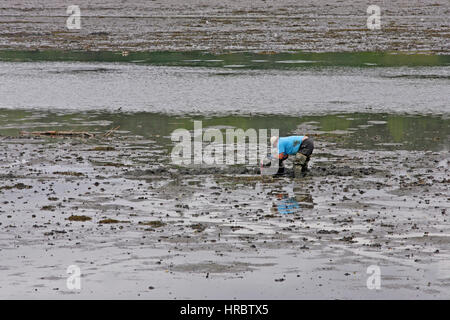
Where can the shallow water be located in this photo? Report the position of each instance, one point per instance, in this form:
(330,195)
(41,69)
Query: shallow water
(82,86)
(374,131)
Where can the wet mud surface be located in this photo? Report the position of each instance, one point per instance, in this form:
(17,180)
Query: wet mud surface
(272,26)
(140,227)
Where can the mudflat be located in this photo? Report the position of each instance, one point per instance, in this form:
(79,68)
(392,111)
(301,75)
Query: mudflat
(140,227)
(215,26)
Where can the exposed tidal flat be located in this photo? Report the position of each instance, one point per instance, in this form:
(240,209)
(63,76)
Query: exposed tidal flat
(107,198)
(216,26)
(139,226)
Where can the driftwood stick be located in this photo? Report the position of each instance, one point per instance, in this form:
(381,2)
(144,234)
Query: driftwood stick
(82,134)
(59,133)
(111,131)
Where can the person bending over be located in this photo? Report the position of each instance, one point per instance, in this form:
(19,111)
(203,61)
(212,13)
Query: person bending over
(299,146)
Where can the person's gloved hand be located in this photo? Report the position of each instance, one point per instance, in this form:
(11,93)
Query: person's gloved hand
(267,161)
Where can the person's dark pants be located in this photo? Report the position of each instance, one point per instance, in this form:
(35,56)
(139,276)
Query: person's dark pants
(306,149)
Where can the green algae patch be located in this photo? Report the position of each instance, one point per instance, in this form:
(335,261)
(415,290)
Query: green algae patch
(198,227)
(154,224)
(19,186)
(79,218)
(111,221)
(109,164)
(102,148)
(69,173)
(48,208)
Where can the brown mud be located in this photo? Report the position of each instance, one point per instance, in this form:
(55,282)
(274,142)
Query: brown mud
(262,25)
(209,232)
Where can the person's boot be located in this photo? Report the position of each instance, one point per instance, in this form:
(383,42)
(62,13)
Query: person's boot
(305,166)
(280,169)
(299,164)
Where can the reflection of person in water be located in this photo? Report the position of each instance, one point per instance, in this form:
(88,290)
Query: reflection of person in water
(299,146)
(287,205)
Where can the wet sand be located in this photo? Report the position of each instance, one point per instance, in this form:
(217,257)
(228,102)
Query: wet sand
(273,26)
(140,227)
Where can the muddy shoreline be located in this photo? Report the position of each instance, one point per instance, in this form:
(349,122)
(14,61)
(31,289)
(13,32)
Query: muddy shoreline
(139,227)
(136,226)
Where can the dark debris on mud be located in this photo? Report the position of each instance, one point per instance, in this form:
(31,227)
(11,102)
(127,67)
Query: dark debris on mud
(390,205)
